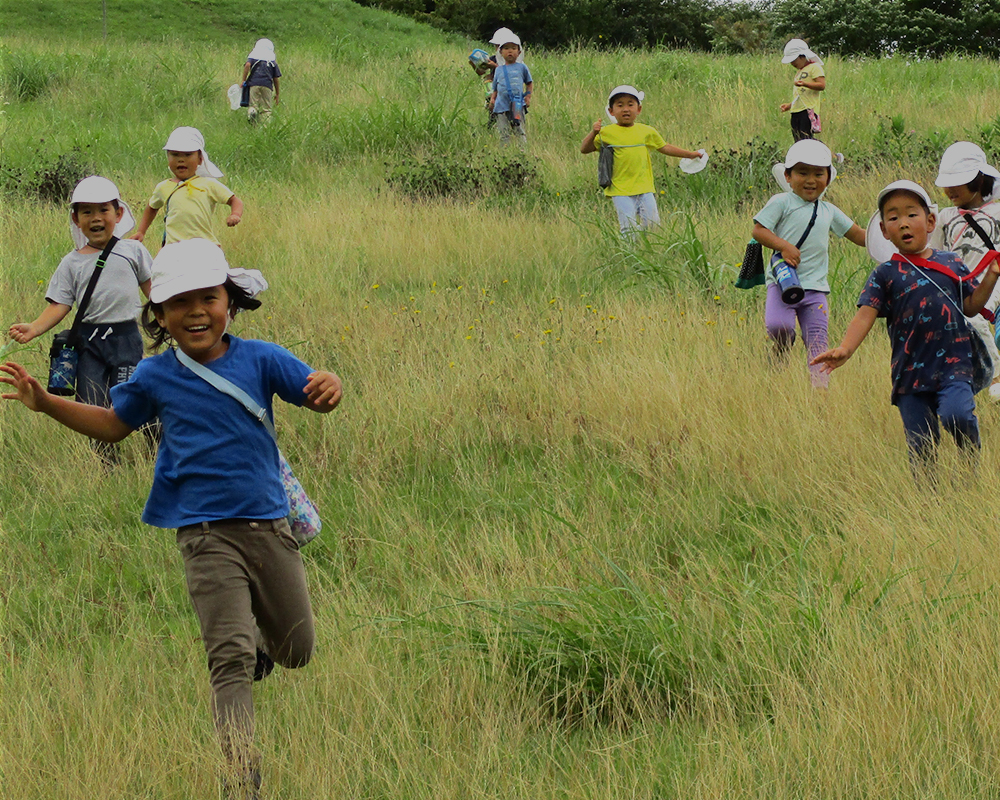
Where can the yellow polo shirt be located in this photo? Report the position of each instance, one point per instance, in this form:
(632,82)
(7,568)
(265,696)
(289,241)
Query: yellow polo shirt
(633,172)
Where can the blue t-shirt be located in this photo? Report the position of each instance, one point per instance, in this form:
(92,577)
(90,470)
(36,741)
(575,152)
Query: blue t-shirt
(929,337)
(216,461)
(787,215)
(518,75)
(263,73)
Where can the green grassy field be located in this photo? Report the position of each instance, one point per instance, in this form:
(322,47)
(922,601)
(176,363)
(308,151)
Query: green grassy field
(581,539)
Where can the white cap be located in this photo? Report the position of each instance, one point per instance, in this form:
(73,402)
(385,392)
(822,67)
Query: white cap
(262,51)
(961,163)
(906,186)
(510,38)
(504,35)
(187,140)
(796,48)
(96,189)
(193,264)
(626,89)
(809,151)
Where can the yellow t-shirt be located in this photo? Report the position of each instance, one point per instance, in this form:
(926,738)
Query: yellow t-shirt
(190,207)
(803,98)
(633,172)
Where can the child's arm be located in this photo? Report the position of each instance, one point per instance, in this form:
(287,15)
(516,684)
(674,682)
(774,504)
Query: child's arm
(785,106)
(769,238)
(237,208)
(147,219)
(976,301)
(527,94)
(680,152)
(96,422)
(145,286)
(853,337)
(588,146)
(277,99)
(24,332)
(323,392)
(856,235)
(246,71)
(817,85)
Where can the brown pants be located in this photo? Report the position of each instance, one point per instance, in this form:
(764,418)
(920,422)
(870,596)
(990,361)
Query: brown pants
(261,100)
(248,587)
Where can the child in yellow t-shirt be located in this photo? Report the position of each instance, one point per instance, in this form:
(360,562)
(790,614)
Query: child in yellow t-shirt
(631,188)
(810,80)
(191,195)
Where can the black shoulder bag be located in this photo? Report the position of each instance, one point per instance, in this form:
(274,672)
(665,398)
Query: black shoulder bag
(64,353)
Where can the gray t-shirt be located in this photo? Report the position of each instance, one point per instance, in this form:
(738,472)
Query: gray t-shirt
(788,215)
(116,296)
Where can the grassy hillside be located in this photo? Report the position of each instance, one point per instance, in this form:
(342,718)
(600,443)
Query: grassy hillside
(583,540)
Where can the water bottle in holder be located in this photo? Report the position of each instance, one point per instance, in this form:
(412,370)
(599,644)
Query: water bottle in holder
(787,279)
(62,365)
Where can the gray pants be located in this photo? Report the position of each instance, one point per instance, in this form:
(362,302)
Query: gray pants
(505,125)
(248,587)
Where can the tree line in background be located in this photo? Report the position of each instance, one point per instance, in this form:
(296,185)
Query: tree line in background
(848,27)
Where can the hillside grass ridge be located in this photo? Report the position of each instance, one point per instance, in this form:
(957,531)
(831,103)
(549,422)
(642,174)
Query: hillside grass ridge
(582,539)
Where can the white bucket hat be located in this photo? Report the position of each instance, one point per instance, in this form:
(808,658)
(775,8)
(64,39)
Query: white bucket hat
(262,51)
(626,89)
(187,140)
(500,37)
(796,48)
(806,151)
(96,189)
(876,243)
(961,163)
(193,264)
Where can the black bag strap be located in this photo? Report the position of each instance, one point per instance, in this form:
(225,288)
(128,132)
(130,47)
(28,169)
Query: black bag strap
(809,227)
(971,219)
(81,309)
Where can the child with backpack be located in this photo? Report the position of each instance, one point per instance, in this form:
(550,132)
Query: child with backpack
(261,73)
(971,227)
(921,292)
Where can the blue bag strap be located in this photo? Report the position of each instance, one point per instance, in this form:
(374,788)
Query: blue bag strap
(510,92)
(229,388)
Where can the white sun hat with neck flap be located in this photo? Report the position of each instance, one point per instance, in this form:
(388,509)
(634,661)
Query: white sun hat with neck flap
(879,248)
(796,48)
(807,151)
(263,50)
(961,163)
(193,264)
(187,140)
(96,189)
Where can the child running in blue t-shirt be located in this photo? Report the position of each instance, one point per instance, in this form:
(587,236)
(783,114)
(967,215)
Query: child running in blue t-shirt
(924,308)
(217,475)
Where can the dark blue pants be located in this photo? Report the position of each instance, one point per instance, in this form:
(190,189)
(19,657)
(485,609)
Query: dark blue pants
(954,406)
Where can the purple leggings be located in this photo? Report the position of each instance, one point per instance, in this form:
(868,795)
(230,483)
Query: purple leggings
(813,314)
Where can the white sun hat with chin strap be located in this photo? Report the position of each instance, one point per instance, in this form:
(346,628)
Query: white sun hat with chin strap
(796,48)
(263,50)
(961,163)
(187,140)
(807,151)
(193,264)
(96,189)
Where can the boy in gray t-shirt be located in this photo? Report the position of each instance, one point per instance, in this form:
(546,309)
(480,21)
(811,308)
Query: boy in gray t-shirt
(109,344)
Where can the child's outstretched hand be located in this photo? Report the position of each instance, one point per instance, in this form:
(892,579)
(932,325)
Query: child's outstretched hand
(26,388)
(22,332)
(323,391)
(597,126)
(831,359)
